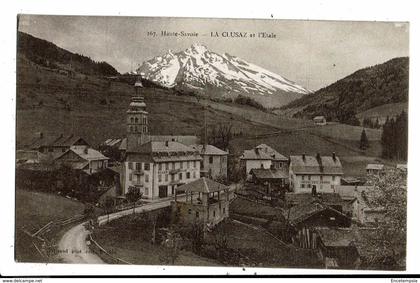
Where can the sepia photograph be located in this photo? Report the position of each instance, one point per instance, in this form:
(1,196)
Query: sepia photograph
(211,142)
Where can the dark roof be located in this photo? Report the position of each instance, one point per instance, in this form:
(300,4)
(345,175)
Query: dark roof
(203,185)
(301,212)
(313,165)
(163,152)
(57,141)
(186,140)
(361,238)
(274,154)
(301,198)
(263,152)
(208,150)
(262,173)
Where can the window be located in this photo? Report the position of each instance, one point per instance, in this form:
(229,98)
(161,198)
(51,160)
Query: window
(166,177)
(189,211)
(173,190)
(50,150)
(173,177)
(181,164)
(188,164)
(159,177)
(201,164)
(132,119)
(333,178)
(194,165)
(197,214)
(130,177)
(136,120)
(188,175)
(146,178)
(138,166)
(309,177)
(180,176)
(224,210)
(302,186)
(160,166)
(194,175)
(166,166)
(146,166)
(146,191)
(214,213)
(63,149)
(211,159)
(130,165)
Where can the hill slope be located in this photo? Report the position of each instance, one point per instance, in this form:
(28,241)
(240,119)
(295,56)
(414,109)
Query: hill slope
(200,70)
(45,53)
(365,89)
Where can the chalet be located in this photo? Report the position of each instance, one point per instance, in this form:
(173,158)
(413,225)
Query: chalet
(374,169)
(362,204)
(352,248)
(157,168)
(272,179)
(304,218)
(214,161)
(315,214)
(319,173)
(337,247)
(83,158)
(333,200)
(320,120)
(58,144)
(205,202)
(262,156)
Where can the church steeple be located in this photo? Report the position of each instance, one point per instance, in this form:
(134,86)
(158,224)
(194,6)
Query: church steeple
(137,119)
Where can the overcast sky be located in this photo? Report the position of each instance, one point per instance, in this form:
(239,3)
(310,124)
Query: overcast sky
(311,53)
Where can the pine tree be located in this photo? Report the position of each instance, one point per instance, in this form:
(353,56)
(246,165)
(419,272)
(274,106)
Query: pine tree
(364,143)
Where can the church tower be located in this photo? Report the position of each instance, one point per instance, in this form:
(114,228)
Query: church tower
(137,119)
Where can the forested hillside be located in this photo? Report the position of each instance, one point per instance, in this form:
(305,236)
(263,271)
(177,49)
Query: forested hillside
(365,89)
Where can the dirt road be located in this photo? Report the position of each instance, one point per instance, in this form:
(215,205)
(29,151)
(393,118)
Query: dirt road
(73,247)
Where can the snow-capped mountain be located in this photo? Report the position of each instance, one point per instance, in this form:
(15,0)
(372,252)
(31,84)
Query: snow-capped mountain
(200,70)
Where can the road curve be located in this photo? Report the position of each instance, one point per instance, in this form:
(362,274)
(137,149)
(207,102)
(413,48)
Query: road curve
(73,248)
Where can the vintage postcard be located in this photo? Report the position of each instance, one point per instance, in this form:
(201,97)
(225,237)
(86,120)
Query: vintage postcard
(211,142)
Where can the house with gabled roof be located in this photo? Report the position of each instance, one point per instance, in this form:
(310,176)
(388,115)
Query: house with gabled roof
(214,161)
(264,157)
(83,158)
(314,173)
(56,145)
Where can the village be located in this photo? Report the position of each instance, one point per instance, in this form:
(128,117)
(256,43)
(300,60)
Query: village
(302,201)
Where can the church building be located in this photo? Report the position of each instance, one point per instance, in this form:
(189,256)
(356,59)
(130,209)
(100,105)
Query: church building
(156,168)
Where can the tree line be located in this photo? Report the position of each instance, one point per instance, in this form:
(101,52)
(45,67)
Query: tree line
(394,138)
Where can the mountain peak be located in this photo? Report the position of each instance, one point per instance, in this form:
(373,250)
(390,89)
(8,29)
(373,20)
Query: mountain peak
(203,71)
(197,48)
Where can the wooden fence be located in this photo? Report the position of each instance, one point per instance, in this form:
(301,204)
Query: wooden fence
(103,254)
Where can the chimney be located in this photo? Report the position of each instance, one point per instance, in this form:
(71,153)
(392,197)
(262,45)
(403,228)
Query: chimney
(303,157)
(318,157)
(40,135)
(167,143)
(334,157)
(256,150)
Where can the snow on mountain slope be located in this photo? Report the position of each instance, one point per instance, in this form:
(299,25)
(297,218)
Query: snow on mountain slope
(198,68)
